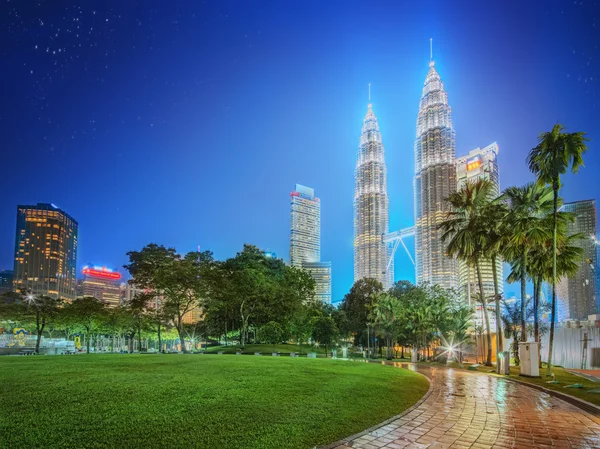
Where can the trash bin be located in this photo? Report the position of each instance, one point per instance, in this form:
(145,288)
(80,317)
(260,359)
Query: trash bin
(504,362)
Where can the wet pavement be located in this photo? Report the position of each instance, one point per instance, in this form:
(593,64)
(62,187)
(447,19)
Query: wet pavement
(473,410)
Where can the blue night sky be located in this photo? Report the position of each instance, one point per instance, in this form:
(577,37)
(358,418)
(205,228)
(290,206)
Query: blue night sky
(188,123)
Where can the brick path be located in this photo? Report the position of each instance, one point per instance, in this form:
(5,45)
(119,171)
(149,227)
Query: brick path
(473,410)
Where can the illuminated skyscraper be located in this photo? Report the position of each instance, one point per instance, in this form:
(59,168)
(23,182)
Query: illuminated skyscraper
(305,230)
(479,164)
(102,283)
(435,180)
(579,293)
(321,273)
(45,251)
(305,240)
(371,221)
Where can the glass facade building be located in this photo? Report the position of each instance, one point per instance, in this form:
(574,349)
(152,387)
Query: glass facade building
(479,164)
(321,273)
(371,220)
(578,295)
(45,251)
(305,230)
(305,240)
(6,281)
(435,180)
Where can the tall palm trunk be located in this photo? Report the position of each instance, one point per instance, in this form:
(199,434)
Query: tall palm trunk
(499,336)
(524,295)
(555,187)
(488,361)
(536,317)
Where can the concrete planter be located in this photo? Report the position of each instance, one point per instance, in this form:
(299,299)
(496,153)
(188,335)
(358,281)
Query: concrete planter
(275,354)
(257,353)
(312,355)
(293,354)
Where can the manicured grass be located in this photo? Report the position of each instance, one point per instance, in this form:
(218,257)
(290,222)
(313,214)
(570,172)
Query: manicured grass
(561,375)
(203,401)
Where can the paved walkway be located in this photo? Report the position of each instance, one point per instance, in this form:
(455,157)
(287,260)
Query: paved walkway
(473,410)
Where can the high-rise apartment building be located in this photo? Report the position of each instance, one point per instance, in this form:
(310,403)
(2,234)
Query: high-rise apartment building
(579,293)
(6,281)
(102,283)
(479,164)
(305,240)
(305,235)
(371,220)
(321,273)
(435,180)
(45,251)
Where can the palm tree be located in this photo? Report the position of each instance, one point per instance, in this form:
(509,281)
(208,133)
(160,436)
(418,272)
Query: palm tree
(385,315)
(527,207)
(465,235)
(497,235)
(555,154)
(541,261)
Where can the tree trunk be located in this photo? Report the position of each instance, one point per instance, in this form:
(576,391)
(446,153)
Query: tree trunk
(536,317)
(414,354)
(87,330)
(181,337)
(555,187)
(402,353)
(159,339)
(486,316)
(499,336)
(39,329)
(139,339)
(524,295)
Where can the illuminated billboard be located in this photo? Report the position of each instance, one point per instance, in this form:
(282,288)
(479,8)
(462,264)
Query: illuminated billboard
(101,272)
(473,163)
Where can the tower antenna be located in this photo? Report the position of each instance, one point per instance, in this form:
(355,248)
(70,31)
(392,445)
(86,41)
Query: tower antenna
(431,49)
(369,92)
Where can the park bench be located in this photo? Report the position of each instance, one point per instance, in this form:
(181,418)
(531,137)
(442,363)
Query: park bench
(69,351)
(220,352)
(257,353)
(275,354)
(27,352)
(293,354)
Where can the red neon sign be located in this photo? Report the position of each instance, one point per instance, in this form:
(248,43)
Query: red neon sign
(103,273)
(294,193)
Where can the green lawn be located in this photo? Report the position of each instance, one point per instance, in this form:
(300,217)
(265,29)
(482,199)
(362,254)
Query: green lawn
(204,401)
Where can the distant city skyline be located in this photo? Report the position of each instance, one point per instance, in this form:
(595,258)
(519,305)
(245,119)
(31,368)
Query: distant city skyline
(183,125)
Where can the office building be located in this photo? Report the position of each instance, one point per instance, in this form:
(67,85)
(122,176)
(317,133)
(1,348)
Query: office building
(579,293)
(6,281)
(102,283)
(479,164)
(321,273)
(305,240)
(305,230)
(435,180)
(371,220)
(45,251)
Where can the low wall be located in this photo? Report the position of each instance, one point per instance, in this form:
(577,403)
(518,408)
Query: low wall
(568,347)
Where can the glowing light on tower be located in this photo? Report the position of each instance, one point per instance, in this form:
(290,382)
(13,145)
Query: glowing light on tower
(371,219)
(435,179)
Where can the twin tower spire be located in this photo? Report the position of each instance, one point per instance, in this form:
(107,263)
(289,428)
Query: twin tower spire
(435,179)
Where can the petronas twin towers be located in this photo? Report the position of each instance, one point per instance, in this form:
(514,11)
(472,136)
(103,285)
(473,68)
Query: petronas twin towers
(435,179)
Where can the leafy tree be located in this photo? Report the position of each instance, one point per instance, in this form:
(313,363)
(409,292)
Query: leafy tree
(270,333)
(357,306)
(88,312)
(556,153)
(325,332)
(38,309)
(181,281)
(258,289)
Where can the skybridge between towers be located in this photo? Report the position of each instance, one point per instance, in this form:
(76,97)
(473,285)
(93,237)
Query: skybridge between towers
(395,239)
